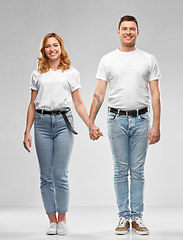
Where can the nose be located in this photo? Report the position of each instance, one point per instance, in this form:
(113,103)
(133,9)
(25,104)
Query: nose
(51,48)
(128,31)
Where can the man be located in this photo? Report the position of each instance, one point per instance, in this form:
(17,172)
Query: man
(130,73)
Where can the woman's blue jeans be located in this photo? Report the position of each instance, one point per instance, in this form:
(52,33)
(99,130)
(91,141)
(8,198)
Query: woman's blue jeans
(54,142)
(128,137)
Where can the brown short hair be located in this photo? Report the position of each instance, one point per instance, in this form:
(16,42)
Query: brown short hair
(43,65)
(128,18)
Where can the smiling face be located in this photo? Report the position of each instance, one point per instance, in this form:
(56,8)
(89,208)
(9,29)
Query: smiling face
(52,49)
(128,34)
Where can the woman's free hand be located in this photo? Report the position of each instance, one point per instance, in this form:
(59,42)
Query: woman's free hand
(27,141)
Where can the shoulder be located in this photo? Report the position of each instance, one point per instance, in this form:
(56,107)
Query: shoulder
(71,72)
(145,54)
(148,58)
(108,58)
(36,73)
(110,55)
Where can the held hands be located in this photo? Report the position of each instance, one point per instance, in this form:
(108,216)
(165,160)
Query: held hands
(94,132)
(27,141)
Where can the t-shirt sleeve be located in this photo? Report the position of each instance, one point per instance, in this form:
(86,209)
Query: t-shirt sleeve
(75,80)
(33,82)
(154,70)
(102,70)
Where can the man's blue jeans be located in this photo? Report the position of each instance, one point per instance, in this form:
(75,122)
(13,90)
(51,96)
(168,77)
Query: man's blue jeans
(129,142)
(54,142)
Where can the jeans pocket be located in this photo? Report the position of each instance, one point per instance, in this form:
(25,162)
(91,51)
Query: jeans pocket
(144,117)
(111,117)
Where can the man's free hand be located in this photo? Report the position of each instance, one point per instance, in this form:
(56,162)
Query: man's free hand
(154,135)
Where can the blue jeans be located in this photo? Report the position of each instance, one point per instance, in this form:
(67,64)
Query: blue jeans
(128,137)
(54,142)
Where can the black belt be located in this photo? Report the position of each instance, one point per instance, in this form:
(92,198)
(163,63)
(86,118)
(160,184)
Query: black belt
(63,112)
(131,113)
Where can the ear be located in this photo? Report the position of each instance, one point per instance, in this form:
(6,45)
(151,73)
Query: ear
(138,32)
(118,32)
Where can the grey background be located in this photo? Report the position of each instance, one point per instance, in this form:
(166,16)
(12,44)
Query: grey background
(89,30)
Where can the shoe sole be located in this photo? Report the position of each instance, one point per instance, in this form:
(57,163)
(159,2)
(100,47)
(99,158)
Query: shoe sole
(140,233)
(63,233)
(121,232)
(51,233)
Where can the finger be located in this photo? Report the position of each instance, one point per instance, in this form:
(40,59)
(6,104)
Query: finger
(30,143)
(26,146)
(153,141)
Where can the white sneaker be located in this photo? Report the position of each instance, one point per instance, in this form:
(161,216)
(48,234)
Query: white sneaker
(52,230)
(62,228)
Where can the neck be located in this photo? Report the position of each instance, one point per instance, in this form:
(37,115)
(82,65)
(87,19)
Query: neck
(127,48)
(54,65)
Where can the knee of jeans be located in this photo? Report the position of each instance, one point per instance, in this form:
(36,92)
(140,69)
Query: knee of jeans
(137,174)
(120,174)
(60,178)
(46,181)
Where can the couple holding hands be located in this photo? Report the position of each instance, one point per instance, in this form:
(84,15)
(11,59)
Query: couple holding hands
(133,76)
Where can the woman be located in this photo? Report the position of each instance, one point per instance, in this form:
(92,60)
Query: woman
(53,87)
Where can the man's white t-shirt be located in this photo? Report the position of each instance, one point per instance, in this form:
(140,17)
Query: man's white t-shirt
(54,88)
(128,75)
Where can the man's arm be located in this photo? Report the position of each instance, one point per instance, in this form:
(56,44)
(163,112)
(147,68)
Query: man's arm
(154,133)
(98,99)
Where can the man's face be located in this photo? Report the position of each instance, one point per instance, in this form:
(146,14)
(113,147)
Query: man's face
(128,33)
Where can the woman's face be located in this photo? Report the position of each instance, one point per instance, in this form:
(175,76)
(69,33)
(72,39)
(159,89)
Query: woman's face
(53,49)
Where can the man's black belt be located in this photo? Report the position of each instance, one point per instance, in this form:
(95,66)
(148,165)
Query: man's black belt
(131,113)
(63,112)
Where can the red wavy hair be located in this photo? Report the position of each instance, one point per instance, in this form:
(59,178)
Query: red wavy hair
(43,65)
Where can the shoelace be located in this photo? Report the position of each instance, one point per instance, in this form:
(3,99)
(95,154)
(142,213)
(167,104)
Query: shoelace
(53,225)
(123,222)
(139,221)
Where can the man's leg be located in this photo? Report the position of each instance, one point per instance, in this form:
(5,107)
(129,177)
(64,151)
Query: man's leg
(139,131)
(119,142)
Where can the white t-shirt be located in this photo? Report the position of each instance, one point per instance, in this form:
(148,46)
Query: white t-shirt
(128,75)
(54,88)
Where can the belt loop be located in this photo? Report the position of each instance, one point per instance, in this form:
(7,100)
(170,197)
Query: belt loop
(137,112)
(42,111)
(118,111)
(127,113)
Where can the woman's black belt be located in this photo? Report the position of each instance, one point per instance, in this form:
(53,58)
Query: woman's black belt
(131,113)
(63,112)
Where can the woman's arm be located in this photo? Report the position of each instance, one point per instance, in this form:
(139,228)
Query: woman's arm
(79,106)
(30,119)
(82,112)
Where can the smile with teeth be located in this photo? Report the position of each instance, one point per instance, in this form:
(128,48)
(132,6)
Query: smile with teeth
(53,54)
(128,38)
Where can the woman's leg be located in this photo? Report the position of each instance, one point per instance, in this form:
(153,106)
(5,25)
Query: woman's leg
(44,147)
(63,144)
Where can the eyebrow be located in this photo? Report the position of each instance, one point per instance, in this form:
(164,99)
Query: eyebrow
(50,44)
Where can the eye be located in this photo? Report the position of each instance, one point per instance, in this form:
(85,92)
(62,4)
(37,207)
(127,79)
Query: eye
(55,45)
(47,46)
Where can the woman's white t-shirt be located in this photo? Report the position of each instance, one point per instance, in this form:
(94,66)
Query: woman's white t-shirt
(128,75)
(54,88)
